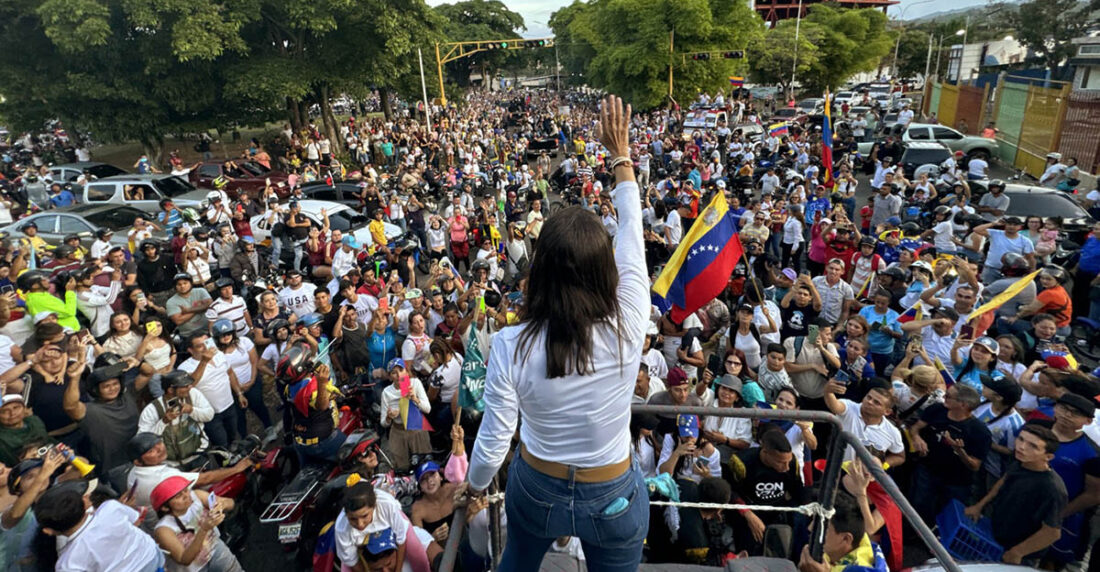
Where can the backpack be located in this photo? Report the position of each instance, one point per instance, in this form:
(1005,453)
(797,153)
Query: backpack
(180,439)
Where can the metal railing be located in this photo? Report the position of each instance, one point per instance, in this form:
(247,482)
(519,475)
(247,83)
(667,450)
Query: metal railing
(830,482)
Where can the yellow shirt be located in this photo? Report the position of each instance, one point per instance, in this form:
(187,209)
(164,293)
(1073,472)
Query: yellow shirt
(378,231)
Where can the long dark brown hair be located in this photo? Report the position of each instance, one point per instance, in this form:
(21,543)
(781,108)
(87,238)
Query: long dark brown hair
(573,286)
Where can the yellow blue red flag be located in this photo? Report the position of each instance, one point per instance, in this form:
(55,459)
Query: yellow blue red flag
(701,266)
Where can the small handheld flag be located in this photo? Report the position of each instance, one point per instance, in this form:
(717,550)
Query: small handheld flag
(948,379)
(737,81)
(778,130)
(827,146)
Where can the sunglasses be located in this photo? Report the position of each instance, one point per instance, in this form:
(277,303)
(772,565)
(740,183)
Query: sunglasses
(733,362)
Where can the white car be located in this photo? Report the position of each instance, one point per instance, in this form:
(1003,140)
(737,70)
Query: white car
(843,97)
(340,217)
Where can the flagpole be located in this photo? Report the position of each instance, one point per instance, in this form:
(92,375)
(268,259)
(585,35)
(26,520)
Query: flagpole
(749,271)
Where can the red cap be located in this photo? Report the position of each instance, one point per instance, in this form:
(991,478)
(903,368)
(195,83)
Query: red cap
(677,377)
(167,489)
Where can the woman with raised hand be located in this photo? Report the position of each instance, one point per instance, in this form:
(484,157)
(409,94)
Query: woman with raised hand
(569,368)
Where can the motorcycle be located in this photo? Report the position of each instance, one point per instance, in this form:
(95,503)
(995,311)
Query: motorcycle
(358,421)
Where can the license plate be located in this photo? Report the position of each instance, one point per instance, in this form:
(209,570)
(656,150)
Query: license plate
(289,532)
(281,185)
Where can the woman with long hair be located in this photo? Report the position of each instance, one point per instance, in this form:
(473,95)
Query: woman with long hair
(569,368)
(187,529)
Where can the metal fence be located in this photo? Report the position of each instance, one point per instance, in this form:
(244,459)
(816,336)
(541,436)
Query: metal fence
(830,482)
(1081,130)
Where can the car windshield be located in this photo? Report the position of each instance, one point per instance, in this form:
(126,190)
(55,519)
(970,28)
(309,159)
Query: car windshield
(808,103)
(173,186)
(116,218)
(253,168)
(345,220)
(786,112)
(1044,205)
(101,171)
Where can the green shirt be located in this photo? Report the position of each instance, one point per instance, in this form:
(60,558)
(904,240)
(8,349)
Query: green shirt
(13,440)
(46,302)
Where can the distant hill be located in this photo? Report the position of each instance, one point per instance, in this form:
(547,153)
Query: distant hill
(975,13)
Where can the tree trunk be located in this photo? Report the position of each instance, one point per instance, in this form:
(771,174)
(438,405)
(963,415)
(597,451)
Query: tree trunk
(303,112)
(293,114)
(153,146)
(328,120)
(384,97)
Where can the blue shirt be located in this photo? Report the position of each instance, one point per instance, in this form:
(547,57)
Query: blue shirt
(972,375)
(382,347)
(879,340)
(1000,245)
(815,205)
(62,199)
(1090,255)
(174,219)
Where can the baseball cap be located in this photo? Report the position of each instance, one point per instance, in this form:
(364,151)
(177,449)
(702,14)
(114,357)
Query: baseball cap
(413,293)
(425,468)
(790,273)
(730,381)
(894,221)
(381,541)
(396,362)
(1081,404)
(677,377)
(167,489)
(1008,389)
(12,398)
(43,315)
(989,344)
(688,425)
(248,239)
(182,276)
(350,241)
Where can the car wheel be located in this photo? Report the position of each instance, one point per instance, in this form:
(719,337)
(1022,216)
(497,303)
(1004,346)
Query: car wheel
(980,154)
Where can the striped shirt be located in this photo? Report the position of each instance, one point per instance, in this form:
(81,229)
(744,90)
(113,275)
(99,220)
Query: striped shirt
(232,310)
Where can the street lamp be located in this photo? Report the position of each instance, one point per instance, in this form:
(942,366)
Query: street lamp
(901,30)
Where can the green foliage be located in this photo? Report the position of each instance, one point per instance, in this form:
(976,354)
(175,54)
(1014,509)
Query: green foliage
(1048,26)
(853,41)
(772,56)
(474,20)
(623,45)
(912,53)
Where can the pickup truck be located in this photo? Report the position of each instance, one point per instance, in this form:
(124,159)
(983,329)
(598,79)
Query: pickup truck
(122,189)
(970,145)
(248,176)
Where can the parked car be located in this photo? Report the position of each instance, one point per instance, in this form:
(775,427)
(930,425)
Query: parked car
(340,217)
(536,146)
(970,145)
(900,103)
(70,172)
(812,105)
(751,132)
(151,188)
(1028,200)
(343,192)
(81,220)
(788,115)
(843,97)
(917,154)
(249,176)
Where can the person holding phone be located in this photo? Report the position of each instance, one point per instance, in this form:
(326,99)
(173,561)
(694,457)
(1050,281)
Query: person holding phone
(686,456)
(187,530)
(980,360)
(885,329)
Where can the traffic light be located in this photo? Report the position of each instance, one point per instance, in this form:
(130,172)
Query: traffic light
(734,55)
(496,45)
(534,44)
(703,56)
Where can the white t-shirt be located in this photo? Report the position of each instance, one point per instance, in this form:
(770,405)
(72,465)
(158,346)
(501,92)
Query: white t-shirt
(675,228)
(6,361)
(945,231)
(446,377)
(978,168)
(883,437)
(298,302)
(364,305)
(387,514)
(761,322)
(108,540)
(214,384)
(241,362)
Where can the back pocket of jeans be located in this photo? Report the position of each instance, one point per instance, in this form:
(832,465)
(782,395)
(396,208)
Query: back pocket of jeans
(622,526)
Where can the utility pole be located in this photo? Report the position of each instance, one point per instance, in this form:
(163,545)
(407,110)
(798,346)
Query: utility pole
(794,68)
(939,56)
(928,60)
(424,92)
(439,69)
(671,42)
(557,68)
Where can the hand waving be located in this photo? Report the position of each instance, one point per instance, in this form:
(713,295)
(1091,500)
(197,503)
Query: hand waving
(614,126)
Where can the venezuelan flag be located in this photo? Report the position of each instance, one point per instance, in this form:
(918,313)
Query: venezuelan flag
(827,146)
(701,266)
(411,415)
(948,379)
(911,314)
(737,81)
(778,130)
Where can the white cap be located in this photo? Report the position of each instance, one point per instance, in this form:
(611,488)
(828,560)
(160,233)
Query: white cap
(41,316)
(652,330)
(12,398)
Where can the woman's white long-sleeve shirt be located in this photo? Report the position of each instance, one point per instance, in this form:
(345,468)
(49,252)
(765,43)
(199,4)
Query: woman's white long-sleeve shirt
(578,420)
(95,303)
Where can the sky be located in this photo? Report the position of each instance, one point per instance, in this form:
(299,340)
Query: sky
(536,13)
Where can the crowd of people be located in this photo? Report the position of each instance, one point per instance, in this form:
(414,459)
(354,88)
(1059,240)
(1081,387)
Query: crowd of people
(854,298)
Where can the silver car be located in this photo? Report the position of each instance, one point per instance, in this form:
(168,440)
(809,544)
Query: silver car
(81,220)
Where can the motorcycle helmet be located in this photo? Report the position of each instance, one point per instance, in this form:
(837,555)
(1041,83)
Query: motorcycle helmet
(223,327)
(140,444)
(492,298)
(295,364)
(108,366)
(176,378)
(63,251)
(1014,264)
(893,272)
(274,326)
(867,241)
(479,264)
(942,210)
(213,196)
(1056,272)
(29,278)
(996,183)
(149,244)
(311,319)
(909,228)
(223,282)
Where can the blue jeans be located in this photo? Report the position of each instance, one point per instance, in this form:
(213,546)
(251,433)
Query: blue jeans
(324,451)
(542,508)
(222,429)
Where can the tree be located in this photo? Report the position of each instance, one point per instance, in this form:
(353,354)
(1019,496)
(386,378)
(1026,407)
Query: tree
(1047,27)
(481,20)
(626,43)
(912,53)
(132,70)
(571,26)
(772,57)
(853,41)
